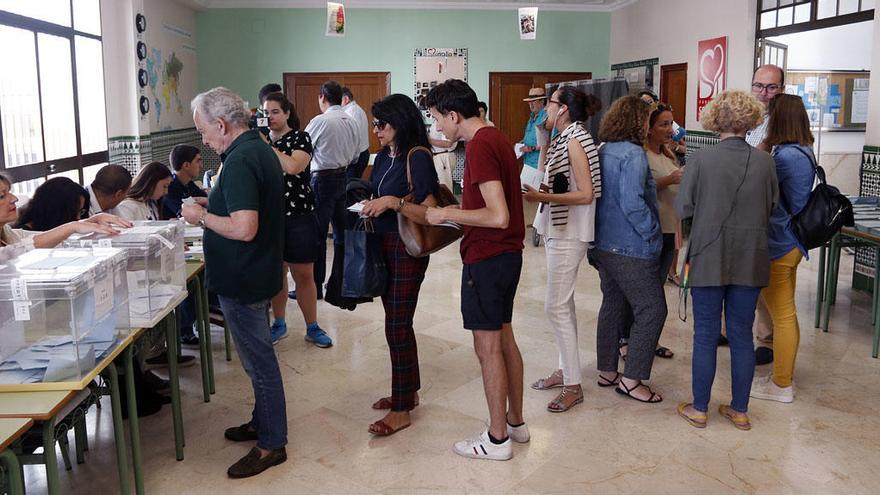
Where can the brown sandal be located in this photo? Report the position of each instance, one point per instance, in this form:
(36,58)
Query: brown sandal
(381,429)
(558,405)
(541,384)
(696,420)
(741,422)
(385,403)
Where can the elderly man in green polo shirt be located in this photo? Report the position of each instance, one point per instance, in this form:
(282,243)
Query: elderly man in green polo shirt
(244,228)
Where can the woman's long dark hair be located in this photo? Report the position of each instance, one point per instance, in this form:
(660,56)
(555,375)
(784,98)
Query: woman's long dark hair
(55,202)
(404,116)
(286,106)
(580,105)
(145,182)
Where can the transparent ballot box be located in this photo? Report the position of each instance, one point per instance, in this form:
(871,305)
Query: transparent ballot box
(156,270)
(62,312)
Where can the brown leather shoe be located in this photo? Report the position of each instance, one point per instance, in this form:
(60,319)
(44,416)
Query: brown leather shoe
(252,464)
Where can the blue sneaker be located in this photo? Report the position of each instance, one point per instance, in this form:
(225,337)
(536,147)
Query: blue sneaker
(278,331)
(318,337)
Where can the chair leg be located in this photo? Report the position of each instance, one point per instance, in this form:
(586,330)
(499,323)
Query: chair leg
(228,339)
(65,451)
(820,287)
(79,437)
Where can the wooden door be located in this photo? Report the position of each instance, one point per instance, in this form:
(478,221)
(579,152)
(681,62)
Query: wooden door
(506,92)
(673,90)
(302,89)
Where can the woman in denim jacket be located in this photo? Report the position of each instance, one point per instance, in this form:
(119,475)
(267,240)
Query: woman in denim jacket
(627,251)
(788,132)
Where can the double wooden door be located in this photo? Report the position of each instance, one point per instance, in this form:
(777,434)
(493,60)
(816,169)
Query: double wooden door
(507,110)
(303,88)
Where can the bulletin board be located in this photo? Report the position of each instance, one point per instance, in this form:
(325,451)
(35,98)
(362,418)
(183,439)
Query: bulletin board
(432,66)
(835,100)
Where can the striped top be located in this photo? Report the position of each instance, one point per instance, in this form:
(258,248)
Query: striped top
(569,221)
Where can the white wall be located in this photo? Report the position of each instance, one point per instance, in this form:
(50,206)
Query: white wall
(120,67)
(838,48)
(872,131)
(671,29)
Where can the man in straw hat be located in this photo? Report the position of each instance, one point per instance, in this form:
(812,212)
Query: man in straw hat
(531,148)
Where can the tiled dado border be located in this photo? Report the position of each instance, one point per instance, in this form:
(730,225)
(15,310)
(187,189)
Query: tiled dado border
(695,140)
(869,185)
(133,152)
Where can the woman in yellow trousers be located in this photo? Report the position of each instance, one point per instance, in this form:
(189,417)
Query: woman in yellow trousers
(789,135)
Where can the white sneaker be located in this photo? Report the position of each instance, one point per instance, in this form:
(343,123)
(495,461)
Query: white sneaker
(483,448)
(764,388)
(519,434)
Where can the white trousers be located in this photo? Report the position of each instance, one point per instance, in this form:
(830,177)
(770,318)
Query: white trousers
(445,163)
(564,257)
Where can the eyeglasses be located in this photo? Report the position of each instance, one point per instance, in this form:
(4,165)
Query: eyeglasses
(551,100)
(379,124)
(770,88)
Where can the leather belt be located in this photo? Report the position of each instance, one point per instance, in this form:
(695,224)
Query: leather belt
(330,172)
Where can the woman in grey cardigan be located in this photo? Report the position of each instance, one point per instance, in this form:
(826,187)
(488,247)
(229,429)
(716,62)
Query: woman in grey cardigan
(728,191)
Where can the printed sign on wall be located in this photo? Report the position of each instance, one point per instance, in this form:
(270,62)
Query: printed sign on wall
(711,70)
(335,19)
(528,23)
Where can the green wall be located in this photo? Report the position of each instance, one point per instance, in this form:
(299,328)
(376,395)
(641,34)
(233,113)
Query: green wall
(245,48)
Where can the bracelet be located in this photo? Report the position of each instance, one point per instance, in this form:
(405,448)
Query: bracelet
(400,205)
(202,220)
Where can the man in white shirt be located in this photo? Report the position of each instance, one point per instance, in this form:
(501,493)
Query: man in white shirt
(444,156)
(349,106)
(767,82)
(335,144)
(108,189)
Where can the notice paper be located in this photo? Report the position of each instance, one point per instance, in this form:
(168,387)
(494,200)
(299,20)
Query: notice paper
(859,113)
(531,177)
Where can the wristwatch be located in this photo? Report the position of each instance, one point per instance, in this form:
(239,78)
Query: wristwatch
(202,220)
(400,205)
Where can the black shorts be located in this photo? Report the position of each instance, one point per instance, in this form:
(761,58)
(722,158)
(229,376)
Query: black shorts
(488,289)
(301,238)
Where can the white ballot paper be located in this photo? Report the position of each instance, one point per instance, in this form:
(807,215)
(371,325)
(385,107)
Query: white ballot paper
(531,176)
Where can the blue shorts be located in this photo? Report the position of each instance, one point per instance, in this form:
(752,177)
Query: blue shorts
(488,288)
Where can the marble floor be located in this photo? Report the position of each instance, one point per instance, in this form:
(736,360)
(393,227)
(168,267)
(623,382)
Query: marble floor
(827,441)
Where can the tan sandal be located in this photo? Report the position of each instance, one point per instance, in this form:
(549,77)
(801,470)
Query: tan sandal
(740,420)
(697,420)
(542,384)
(558,404)
(386,403)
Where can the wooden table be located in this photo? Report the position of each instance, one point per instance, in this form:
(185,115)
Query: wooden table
(10,430)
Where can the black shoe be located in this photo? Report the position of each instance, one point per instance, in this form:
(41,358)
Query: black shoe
(252,464)
(243,433)
(191,342)
(722,340)
(292,294)
(161,361)
(763,355)
(157,383)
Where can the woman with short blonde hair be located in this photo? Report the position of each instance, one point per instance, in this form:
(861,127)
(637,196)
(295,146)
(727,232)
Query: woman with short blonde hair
(727,192)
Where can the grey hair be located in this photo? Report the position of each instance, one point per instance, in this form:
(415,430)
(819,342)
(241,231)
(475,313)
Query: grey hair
(221,103)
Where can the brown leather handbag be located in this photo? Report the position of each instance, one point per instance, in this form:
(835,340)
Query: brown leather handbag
(420,238)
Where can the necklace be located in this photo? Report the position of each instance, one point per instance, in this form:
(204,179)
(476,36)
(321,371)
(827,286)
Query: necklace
(379,187)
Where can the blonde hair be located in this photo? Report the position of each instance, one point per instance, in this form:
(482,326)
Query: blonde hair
(732,111)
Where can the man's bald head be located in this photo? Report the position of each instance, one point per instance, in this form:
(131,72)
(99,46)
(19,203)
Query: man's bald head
(768,81)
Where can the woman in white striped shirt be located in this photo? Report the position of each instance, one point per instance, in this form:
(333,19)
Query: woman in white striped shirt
(566,220)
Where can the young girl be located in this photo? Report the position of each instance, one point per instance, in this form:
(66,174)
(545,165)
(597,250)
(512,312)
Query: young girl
(147,189)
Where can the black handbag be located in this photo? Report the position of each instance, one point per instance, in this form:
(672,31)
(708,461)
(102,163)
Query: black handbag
(364,273)
(826,211)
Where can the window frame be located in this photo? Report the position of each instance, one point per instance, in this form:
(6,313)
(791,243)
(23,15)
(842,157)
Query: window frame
(813,23)
(80,160)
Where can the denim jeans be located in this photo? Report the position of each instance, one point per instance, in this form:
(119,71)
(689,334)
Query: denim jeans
(249,325)
(738,303)
(330,209)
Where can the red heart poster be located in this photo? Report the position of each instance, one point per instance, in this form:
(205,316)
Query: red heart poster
(711,70)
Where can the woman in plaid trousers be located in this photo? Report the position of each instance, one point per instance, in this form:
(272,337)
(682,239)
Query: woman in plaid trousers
(399,127)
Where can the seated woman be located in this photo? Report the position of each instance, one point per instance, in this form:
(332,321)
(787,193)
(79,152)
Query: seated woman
(14,242)
(148,187)
(56,202)
(398,125)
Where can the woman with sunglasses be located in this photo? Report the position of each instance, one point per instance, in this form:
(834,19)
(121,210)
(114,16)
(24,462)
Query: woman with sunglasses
(399,126)
(566,220)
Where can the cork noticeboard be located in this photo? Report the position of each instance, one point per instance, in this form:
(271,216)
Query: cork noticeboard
(835,100)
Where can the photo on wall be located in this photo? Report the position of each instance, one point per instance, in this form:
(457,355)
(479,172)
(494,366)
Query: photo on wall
(528,23)
(432,66)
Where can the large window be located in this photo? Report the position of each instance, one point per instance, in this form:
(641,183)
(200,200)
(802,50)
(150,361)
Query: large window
(777,17)
(52,113)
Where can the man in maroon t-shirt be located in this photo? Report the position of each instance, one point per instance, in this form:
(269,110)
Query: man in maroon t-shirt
(492,215)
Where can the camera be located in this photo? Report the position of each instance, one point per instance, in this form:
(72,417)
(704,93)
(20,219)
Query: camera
(259,121)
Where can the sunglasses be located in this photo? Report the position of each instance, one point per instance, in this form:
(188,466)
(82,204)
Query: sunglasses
(379,124)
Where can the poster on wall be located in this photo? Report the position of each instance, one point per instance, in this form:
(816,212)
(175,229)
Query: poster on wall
(640,75)
(528,23)
(335,19)
(432,66)
(711,70)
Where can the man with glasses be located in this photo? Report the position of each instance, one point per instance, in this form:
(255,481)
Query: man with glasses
(767,82)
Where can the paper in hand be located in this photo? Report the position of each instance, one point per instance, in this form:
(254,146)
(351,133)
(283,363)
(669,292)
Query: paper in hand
(531,177)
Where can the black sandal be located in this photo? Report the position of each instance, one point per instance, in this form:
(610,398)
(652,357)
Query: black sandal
(664,352)
(620,347)
(604,382)
(628,392)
